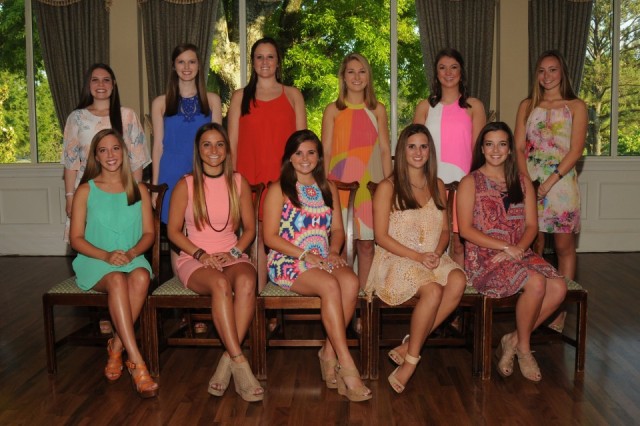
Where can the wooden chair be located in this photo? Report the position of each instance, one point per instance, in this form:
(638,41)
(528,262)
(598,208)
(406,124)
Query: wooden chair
(173,295)
(470,299)
(274,297)
(575,294)
(67,293)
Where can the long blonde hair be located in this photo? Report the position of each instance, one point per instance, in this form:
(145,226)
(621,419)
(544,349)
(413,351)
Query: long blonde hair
(369,95)
(94,169)
(536,93)
(200,212)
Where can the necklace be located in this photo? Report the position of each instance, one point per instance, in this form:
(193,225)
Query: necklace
(189,108)
(213,176)
(420,187)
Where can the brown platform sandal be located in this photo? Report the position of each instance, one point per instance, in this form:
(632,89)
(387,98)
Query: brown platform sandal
(328,369)
(361,393)
(395,356)
(222,376)
(113,369)
(395,383)
(529,366)
(142,382)
(507,353)
(245,382)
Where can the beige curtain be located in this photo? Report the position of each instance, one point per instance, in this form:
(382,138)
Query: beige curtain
(168,23)
(562,25)
(467,26)
(74,34)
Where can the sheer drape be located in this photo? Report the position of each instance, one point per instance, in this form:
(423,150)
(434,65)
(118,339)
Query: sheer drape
(465,25)
(562,25)
(168,23)
(74,34)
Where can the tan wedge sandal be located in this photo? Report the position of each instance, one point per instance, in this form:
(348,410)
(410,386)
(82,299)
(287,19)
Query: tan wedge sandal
(393,381)
(245,382)
(507,353)
(529,366)
(328,371)
(142,382)
(358,394)
(222,376)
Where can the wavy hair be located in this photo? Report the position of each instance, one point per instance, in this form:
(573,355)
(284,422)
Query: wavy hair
(402,193)
(436,86)
(249,91)
(536,93)
(288,177)
(511,173)
(172,98)
(369,94)
(94,169)
(200,211)
(86,99)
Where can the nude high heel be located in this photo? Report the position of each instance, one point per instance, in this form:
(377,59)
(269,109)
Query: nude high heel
(393,381)
(529,366)
(358,394)
(395,356)
(222,376)
(328,369)
(508,352)
(245,382)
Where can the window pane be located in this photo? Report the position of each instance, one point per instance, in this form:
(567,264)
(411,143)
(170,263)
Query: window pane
(49,133)
(629,90)
(14,112)
(412,79)
(596,82)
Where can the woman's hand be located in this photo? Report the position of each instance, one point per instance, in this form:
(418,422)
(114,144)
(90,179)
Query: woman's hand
(117,258)
(510,252)
(335,261)
(317,261)
(154,197)
(69,204)
(211,261)
(430,260)
(544,188)
(223,258)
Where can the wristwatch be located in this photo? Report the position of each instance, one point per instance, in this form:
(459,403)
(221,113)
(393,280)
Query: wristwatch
(235,252)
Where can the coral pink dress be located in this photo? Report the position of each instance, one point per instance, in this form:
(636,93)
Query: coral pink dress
(504,221)
(218,240)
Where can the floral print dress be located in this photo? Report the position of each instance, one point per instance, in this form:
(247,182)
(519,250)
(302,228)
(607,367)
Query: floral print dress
(548,142)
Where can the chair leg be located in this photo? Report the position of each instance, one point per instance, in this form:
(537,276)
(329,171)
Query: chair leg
(581,334)
(476,350)
(260,331)
(49,334)
(365,339)
(486,335)
(375,339)
(152,337)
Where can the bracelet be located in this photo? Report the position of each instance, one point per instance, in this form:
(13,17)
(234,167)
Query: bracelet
(198,254)
(557,172)
(235,253)
(69,194)
(303,254)
(505,248)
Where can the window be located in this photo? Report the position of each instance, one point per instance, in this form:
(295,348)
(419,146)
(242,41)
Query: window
(19,142)
(610,80)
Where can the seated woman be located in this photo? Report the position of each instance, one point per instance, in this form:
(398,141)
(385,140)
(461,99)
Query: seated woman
(298,220)
(212,202)
(411,228)
(497,218)
(111,228)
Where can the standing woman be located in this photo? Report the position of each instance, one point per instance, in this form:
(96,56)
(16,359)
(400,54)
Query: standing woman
(305,237)
(551,128)
(111,229)
(212,203)
(99,108)
(454,120)
(261,118)
(412,232)
(355,139)
(498,220)
(177,116)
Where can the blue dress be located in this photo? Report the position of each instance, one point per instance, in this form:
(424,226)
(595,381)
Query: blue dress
(177,146)
(111,225)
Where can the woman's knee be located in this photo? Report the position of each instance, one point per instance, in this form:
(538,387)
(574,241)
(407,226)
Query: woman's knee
(431,291)
(557,287)
(536,285)
(139,279)
(365,248)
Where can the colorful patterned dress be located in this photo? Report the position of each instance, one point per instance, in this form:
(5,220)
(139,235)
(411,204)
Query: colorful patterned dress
(491,217)
(396,279)
(307,227)
(355,156)
(548,142)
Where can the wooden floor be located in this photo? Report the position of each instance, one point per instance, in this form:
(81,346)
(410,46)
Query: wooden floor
(443,391)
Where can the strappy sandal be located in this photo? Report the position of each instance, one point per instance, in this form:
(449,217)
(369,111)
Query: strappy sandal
(395,356)
(245,382)
(222,376)
(328,371)
(557,324)
(358,394)
(113,369)
(142,382)
(393,381)
(507,353)
(529,366)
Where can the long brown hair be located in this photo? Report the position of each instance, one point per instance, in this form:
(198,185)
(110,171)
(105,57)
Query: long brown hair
(200,211)
(402,193)
(172,98)
(249,91)
(536,93)
(94,169)
(288,177)
(86,98)
(369,94)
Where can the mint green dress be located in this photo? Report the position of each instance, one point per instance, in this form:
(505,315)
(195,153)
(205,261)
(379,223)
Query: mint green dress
(111,225)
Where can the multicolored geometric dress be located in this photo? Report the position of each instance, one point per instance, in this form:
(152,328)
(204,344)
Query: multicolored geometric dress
(496,217)
(396,279)
(307,227)
(355,156)
(548,142)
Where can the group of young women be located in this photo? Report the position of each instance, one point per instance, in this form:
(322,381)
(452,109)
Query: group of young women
(209,172)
